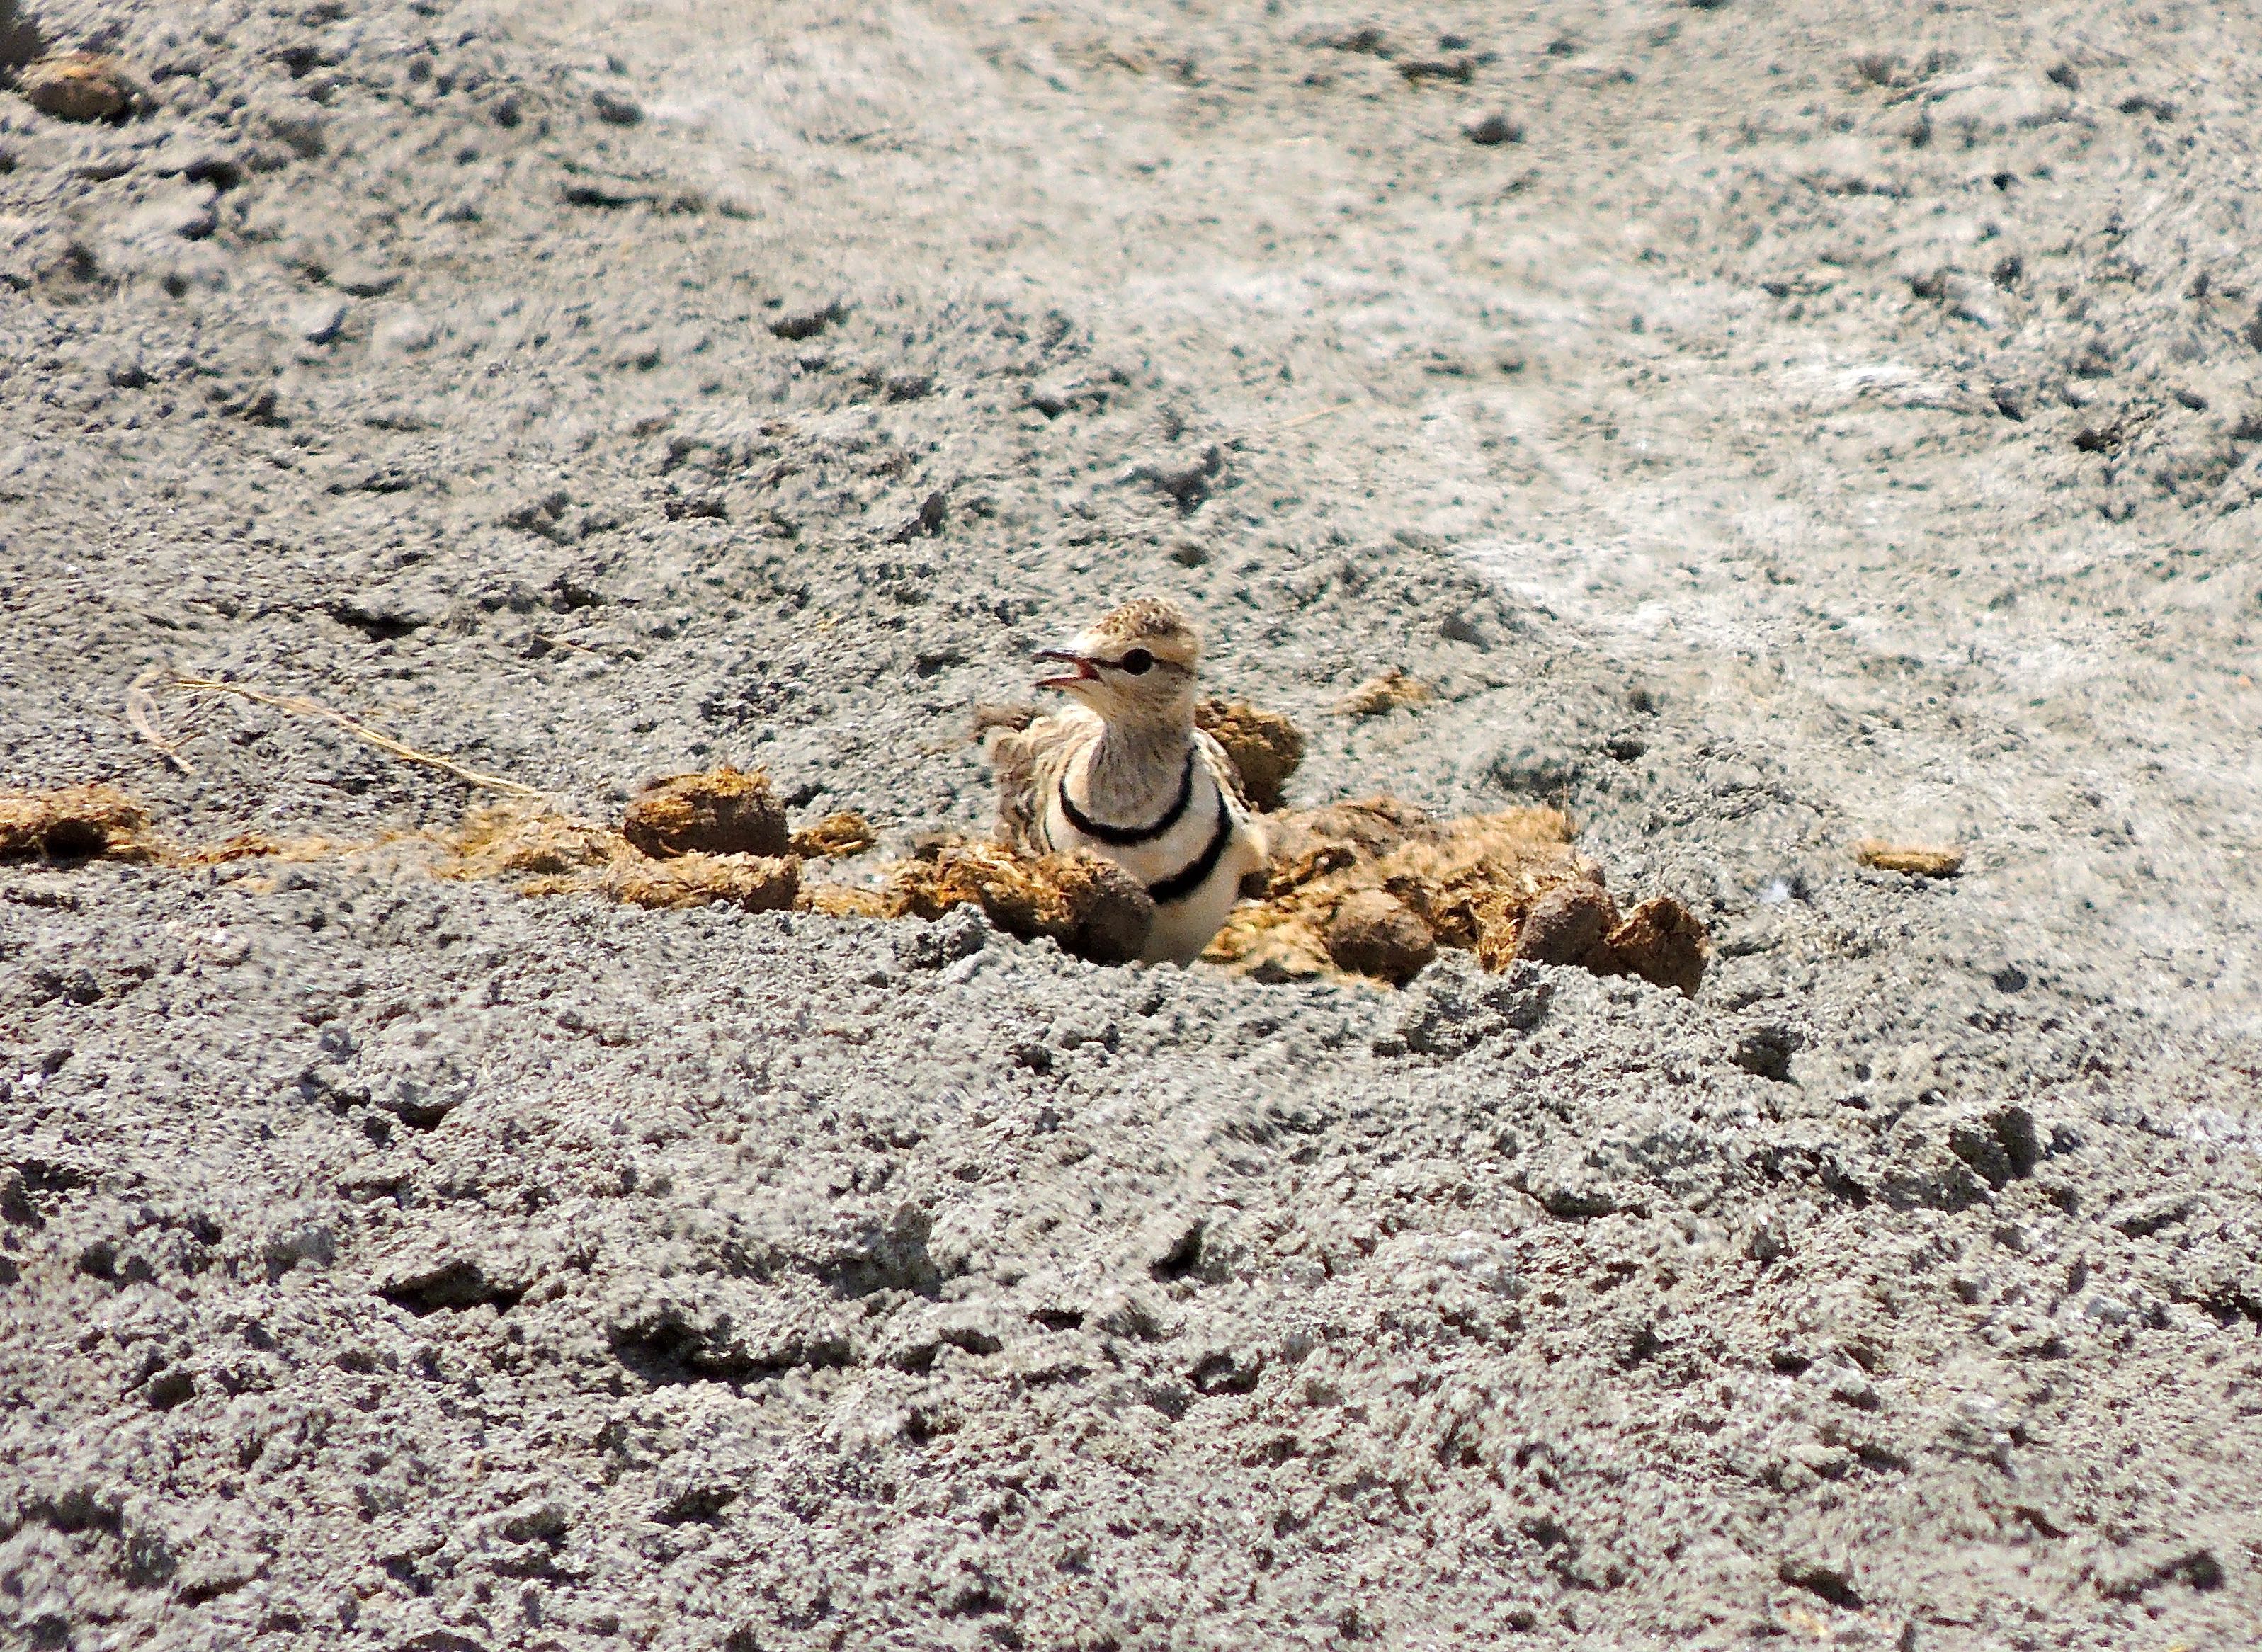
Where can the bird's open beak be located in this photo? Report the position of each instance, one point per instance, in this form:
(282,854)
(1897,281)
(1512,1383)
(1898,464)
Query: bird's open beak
(1079,669)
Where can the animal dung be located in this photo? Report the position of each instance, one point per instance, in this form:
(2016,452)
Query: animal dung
(1374,933)
(72,822)
(1091,906)
(836,837)
(1506,886)
(1383,693)
(1367,891)
(79,86)
(716,812)
(555,855)
(1916,860)
(1264,745)
(756,883)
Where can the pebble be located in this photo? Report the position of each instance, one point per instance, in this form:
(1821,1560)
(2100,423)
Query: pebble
(616,110)
(317,320)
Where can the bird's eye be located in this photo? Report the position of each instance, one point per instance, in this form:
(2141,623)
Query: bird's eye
(1137,662)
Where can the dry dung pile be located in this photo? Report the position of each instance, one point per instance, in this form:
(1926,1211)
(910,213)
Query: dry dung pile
(720,812)
(1374,888)
(1391,689)
(558,856)
(80,86)
(72,824)
(1091,906)
(839,837)
(99,821)
(1264,745)
(1918,860)
(1370,889)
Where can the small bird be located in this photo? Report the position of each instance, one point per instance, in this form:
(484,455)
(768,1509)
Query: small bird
(1126,775)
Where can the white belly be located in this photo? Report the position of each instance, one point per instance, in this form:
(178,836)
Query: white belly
(1181,927)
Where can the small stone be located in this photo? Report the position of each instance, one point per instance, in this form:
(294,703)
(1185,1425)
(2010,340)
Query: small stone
(318,320)
(300,124)
(807,321)
(1765,1052)
(405,332)
(1373,933)
(79,86)
(2001,1144)
(615,109)
(1495,129)
(186,213)
(961,932)
(364,280)
(1832,1579)
(2153,1214)
(17,1206)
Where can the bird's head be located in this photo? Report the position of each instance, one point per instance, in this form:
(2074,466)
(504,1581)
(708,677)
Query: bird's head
(1137,665)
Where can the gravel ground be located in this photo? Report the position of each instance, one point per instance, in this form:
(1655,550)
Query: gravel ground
(1761,430)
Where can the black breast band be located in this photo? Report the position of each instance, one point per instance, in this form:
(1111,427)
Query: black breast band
(1188,878)
(1122,836)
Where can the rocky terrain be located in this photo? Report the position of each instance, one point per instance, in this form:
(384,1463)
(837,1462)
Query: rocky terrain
(1761,428)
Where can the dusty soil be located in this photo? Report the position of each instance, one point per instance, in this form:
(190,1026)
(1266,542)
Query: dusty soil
(1764,430)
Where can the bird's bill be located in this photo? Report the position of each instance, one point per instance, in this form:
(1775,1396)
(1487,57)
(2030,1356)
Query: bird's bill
(1080,668)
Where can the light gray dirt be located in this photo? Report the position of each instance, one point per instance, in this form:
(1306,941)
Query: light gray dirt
(1811,426)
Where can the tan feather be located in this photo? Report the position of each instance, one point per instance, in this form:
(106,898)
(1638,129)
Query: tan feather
(1028,763)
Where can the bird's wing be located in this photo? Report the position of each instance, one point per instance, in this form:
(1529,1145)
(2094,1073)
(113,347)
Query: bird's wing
(1227,775)
(1223,770)
(1028,764)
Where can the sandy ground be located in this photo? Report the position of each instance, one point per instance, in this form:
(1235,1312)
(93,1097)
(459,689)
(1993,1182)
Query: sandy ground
(1788,425)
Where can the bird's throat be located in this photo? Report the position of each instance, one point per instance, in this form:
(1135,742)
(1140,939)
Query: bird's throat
(1133,772)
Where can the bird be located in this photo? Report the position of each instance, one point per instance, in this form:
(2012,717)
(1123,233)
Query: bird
(1123,773)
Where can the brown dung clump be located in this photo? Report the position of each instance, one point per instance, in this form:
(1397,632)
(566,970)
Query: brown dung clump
(1367,890)
(1353,887)
(759,883)
(558,856)
(1393,688)
(1264,745)
(1660,941)
(719,812)
(73,822)
(1091,906)
(835,837)
(1916,860)
(1375,933)
(79,86)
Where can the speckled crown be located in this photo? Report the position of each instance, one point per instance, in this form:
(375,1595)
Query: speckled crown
(1155,624)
